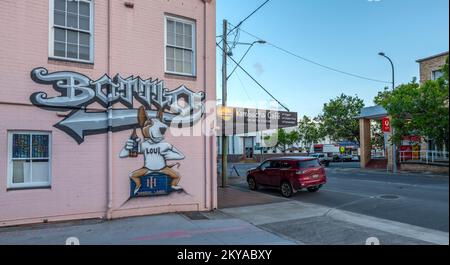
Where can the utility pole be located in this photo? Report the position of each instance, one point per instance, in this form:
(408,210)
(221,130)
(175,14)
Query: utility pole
(224,105)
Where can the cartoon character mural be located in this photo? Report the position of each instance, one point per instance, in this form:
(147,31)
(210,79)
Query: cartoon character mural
(184,109)
(156,152)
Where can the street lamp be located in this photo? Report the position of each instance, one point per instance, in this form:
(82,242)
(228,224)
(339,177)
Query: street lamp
(394,153)
(393,69)
(248,50)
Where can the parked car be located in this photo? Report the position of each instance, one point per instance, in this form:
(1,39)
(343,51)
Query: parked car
(345,158)
(323,159)
(356,158)
(289,174)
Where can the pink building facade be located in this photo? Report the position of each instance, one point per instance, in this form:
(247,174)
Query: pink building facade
(76,77)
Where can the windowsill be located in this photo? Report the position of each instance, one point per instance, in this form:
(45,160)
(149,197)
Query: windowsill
(68,62)
(29,188)
(180,76)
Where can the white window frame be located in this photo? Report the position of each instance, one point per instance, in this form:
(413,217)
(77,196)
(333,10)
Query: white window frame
(51,43)
(194,47)
(10,184)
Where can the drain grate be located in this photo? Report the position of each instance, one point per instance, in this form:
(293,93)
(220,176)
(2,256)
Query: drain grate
(195,216)
(389,197)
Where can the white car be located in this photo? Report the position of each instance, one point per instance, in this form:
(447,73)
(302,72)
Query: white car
(323,159)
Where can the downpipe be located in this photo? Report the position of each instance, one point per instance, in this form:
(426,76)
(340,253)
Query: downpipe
(109,169)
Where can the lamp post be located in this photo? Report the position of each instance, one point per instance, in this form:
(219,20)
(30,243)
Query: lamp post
(394,148)
(245,54)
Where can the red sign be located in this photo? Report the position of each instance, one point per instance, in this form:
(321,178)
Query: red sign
(386,125)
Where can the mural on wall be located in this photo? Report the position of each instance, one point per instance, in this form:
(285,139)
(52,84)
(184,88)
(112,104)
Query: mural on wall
(157,175)
(160,109)
(181,107)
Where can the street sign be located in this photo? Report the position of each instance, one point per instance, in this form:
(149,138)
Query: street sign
(386,125)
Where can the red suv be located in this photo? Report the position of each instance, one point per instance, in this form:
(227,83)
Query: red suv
(290,174)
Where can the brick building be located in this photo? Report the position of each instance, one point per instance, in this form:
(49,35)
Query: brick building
(430,67)
(77,77)
(412,147)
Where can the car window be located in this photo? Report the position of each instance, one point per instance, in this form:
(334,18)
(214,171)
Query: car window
(309,163)
(285,164)
(265,165)
(275,164)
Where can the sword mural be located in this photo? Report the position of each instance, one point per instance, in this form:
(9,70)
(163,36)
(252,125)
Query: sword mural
(177,108)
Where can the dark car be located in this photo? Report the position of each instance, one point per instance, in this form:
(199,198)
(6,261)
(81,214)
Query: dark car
(289,174)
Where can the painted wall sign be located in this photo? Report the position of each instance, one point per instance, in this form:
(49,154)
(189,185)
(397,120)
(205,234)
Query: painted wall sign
(160,109)
(78,91)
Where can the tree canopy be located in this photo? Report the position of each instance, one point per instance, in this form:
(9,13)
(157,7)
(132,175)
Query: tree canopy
(339,121)
(310,131)
(282,139)
(419,109)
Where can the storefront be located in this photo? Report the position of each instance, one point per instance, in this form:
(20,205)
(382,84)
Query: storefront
(97,97)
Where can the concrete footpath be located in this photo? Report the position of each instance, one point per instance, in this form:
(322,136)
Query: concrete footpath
(258,219)
(168,229)
(316,225)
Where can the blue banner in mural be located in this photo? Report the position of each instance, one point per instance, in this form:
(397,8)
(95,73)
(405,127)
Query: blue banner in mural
(151,185)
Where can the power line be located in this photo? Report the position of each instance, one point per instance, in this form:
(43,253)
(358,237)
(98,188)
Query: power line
(245,19)
(254,80)
(242,84)
(316,63)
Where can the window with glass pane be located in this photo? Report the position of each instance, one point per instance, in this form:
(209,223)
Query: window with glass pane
(72,32)
(180,52)
(30,159)
(437,74)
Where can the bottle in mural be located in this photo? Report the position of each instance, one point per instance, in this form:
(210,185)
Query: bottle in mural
(135,151)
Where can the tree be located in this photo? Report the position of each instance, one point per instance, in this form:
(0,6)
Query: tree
(339,118)
(377,135)
(293,138)
(309,132)
(381,96)
(420,109)
(282,140)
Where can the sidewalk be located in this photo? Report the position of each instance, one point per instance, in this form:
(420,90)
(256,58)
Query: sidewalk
(316,225)
(247,218)
(169,229)
(312,224)
(232,197)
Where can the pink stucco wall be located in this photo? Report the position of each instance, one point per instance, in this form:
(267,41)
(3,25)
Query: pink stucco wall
(79,172)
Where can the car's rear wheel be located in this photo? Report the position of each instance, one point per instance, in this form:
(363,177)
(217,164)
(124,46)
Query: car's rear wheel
(286,189)
(252,183)
(313,189)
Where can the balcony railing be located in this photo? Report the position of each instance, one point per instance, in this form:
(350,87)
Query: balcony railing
(425,157)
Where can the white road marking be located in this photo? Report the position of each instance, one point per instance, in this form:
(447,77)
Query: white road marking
(401,229)
(295,210)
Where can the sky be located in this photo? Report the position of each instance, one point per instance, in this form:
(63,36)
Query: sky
(343,34)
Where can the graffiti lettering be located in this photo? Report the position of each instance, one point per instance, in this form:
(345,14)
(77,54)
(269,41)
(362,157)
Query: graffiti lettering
(153,151)
(78,91)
